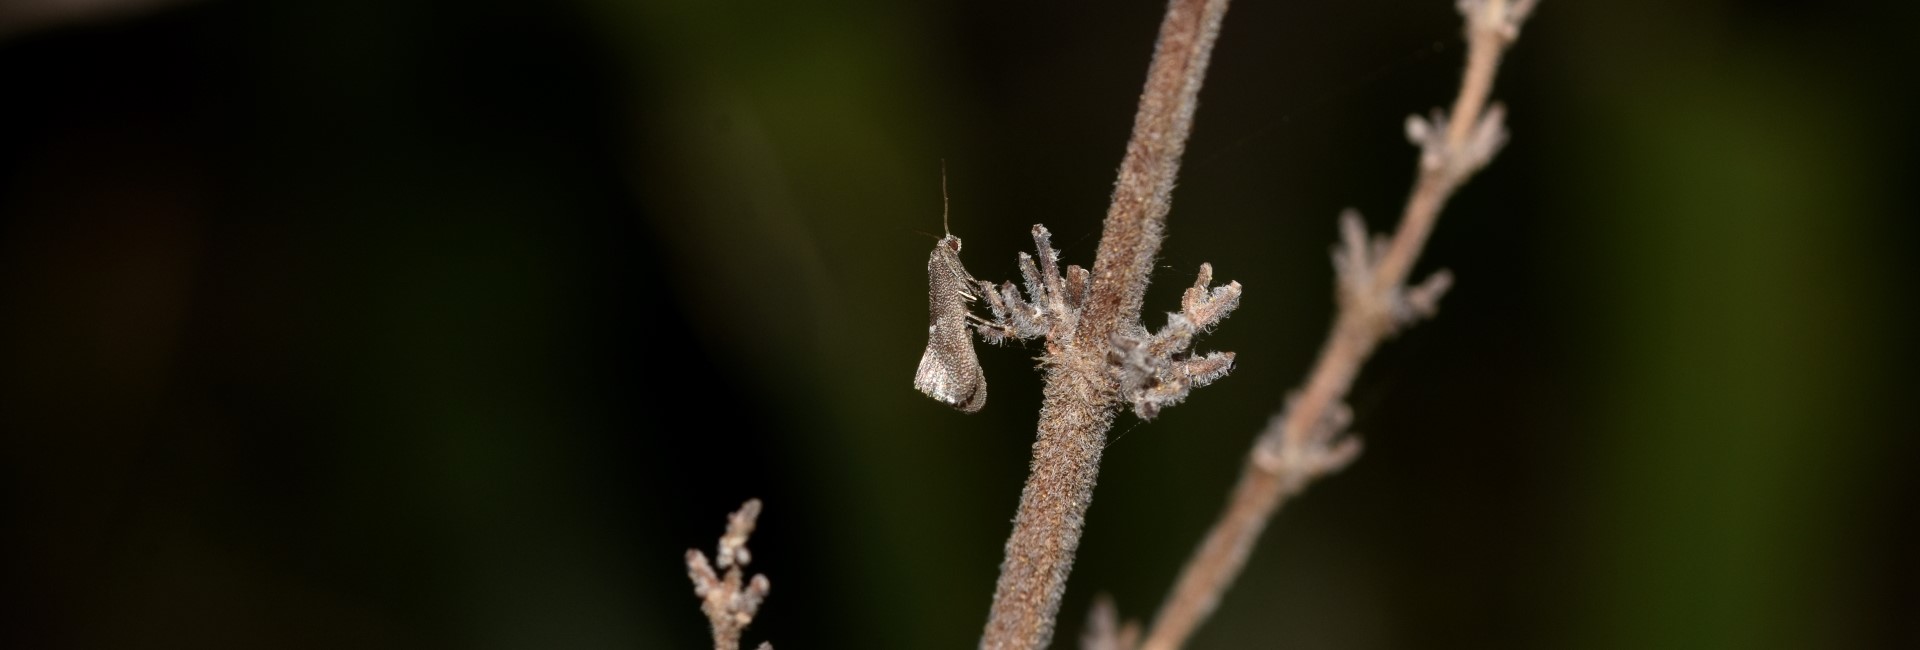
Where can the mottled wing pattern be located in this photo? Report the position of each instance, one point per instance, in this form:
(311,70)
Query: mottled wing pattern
(949,370)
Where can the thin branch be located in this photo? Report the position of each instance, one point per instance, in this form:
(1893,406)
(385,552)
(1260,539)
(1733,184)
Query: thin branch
(730,602)
(1307,440)
(1083,384)
(1105,631)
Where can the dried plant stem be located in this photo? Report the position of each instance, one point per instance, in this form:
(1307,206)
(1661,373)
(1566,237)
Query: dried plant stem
(1304,442)
(729,600)
(1082,390)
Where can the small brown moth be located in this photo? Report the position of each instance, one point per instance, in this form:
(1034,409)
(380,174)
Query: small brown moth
(949,370)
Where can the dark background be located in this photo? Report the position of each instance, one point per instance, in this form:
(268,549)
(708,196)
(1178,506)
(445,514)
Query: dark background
(453,324)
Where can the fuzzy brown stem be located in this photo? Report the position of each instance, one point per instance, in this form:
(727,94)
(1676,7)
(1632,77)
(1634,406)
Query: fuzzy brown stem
(1488,35)
(1261,490)
(1080,398)
(1144,191)
(1266,484)
(1078,408)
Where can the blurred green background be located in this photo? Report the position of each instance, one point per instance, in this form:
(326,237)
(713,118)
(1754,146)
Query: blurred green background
(453,324)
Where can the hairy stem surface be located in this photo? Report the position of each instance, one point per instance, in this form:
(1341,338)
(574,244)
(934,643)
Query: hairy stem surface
(1081,392)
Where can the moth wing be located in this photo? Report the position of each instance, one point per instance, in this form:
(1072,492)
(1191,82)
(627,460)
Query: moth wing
(931,378)
(937,379)
(975,400)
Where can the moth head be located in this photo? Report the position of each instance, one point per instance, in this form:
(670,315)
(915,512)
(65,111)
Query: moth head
(950,242)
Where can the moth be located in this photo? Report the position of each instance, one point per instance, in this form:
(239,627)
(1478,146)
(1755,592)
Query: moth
(949,370)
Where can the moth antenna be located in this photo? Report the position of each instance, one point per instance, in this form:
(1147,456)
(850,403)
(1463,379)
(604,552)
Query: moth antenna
(943,198)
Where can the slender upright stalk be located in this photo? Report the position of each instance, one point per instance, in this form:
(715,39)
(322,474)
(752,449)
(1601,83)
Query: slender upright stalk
(1304,442)
(1082,391)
